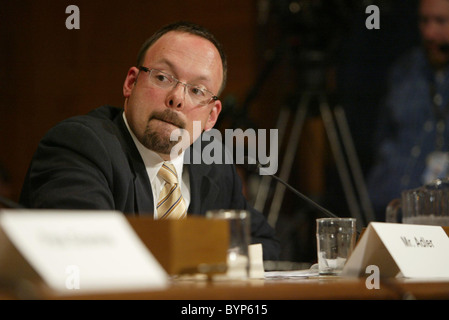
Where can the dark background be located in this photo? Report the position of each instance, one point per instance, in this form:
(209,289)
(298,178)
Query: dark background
(49,73)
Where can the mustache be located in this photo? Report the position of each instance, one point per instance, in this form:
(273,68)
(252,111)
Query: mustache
(168,116)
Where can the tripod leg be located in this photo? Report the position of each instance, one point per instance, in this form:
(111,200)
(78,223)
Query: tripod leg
(264,186)
(354,163)
(329,125)
(288,159)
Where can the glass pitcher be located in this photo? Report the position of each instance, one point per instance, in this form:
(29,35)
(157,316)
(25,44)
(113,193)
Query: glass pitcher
(428,205)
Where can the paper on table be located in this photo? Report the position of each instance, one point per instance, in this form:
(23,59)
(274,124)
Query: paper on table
(312,272)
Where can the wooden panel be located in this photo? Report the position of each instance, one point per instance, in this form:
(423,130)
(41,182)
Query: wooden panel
(184,246)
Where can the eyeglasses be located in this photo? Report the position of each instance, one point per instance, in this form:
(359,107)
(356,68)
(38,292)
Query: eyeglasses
(161,79)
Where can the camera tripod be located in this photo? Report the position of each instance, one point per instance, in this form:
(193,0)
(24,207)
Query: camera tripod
(342,147)
(306,47)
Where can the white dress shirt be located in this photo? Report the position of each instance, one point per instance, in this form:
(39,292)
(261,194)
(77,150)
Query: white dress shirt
(153,162)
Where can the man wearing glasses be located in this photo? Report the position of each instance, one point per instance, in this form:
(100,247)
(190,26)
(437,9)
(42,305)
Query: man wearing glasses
(120,159)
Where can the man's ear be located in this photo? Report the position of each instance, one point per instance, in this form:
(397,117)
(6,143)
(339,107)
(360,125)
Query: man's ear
(130,81)
(213,115)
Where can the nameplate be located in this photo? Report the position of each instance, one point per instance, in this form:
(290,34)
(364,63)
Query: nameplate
(411,251)
(76,251)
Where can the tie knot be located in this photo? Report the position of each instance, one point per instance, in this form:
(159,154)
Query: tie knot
(168,173)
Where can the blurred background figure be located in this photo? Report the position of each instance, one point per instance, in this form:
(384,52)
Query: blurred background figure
(413,140)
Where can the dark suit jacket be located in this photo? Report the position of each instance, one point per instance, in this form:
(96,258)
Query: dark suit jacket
(91,162)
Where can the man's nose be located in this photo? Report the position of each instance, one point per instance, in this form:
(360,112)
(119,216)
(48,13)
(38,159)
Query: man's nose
(176,97)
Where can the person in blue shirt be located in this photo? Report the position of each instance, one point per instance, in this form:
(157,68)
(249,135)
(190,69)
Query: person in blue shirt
(413,133)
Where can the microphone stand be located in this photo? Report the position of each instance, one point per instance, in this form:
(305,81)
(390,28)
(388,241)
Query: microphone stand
(309,201)
(258,167)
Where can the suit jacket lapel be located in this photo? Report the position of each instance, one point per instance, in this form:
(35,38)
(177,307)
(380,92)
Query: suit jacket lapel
(144,203)
(203,190)
(143,196)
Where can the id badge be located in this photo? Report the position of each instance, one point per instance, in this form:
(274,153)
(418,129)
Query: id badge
(437,166)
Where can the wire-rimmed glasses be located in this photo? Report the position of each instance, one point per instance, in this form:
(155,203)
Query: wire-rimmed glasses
(197,94)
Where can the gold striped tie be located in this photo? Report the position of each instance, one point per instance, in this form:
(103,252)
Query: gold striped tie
(171,204)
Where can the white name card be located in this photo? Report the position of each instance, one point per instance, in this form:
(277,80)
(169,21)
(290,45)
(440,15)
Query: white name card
(77,251)
(413,251)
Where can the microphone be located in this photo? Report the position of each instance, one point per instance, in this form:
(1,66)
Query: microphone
(257,168)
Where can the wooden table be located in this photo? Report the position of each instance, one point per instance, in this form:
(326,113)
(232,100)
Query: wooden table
(314,288)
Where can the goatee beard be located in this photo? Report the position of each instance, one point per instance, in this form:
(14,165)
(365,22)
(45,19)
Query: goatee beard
(159,141)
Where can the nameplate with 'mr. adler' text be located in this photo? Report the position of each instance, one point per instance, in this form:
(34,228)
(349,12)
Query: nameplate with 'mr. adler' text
(413,251)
